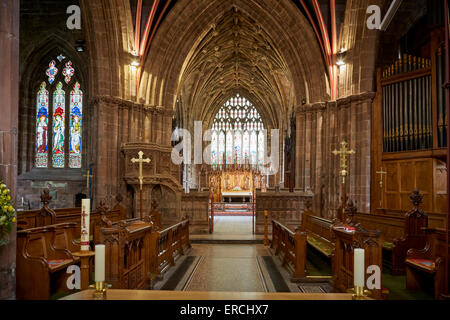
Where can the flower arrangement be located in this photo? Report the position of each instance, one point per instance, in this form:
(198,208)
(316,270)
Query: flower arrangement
(7,214)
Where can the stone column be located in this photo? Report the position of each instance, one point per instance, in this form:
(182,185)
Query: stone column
(9,86)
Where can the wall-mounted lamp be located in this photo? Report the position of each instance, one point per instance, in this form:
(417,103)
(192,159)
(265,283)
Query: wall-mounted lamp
(340,63)
(340,58)
(134,65)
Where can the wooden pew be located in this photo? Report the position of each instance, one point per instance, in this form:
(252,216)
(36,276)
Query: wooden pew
(167,245)
(319,234)
(397,240)
(292,247)
(428,261)
(346,242)
(43,255)
(46,216)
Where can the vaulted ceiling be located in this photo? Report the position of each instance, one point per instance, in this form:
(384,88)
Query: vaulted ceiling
(236,56)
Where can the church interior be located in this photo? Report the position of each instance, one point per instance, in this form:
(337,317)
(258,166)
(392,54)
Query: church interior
(224,149)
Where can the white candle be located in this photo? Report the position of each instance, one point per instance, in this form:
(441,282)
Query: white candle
(358,267)
(100,263)
(85,219)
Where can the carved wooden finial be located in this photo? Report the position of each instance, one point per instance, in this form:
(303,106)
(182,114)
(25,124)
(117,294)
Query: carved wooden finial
(308,204)
(416,198)
(46,197)
(155,204)
(350,211)
(102,207)
(119,198)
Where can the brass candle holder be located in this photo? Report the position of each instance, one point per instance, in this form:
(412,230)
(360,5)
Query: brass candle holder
(99,290)
(359,293)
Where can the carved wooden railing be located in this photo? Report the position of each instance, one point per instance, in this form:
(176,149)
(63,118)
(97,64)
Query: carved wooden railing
(127,248)
(167,245)
(292,246)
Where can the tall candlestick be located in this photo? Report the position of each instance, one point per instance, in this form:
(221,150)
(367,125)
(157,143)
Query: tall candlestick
(85,221)
(100,263)
(358,268)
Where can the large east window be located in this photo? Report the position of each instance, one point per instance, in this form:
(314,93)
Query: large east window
(238,134)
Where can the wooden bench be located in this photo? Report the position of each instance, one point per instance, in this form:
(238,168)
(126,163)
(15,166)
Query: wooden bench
(400,233)
(43,255)
(346,242)
(430,260)
(47,216)
(292,247)
(319,234)
(167,245)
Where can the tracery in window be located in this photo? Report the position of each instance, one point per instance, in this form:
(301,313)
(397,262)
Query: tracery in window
(240,131)
(66,145)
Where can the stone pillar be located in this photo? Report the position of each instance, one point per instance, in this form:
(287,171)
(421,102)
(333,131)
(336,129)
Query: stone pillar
(9,86)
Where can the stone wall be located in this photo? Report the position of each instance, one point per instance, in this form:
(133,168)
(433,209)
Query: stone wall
(321,128)
(9,95)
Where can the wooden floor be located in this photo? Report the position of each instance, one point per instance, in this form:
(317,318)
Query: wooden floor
(117,294)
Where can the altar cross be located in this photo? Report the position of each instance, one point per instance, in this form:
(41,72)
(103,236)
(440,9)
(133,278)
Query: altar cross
(381,173)
(140,160)
(343,153)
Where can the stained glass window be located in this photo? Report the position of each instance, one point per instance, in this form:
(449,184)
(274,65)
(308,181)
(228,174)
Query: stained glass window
(238,125)
(253,147)
(59,113)
(66,149)
(214,148)
(229,147)
(261,145)
(221,147)
(42,127)
(76,117)
(246,147)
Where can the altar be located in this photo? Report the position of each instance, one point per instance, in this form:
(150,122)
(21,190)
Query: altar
(232,191)
(237,196)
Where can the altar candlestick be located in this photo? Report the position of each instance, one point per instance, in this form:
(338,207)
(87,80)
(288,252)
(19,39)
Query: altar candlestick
(358,268)
(100,263)
(85,219)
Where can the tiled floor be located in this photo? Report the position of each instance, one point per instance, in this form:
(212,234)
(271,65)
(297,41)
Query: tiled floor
(227,268)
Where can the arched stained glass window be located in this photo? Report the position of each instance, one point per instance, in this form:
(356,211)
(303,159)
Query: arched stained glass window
(66,145)
(42,127)
(76,117)
(59,112)
(238,125)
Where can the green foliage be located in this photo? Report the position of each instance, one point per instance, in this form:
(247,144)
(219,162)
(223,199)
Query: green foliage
(7,214)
